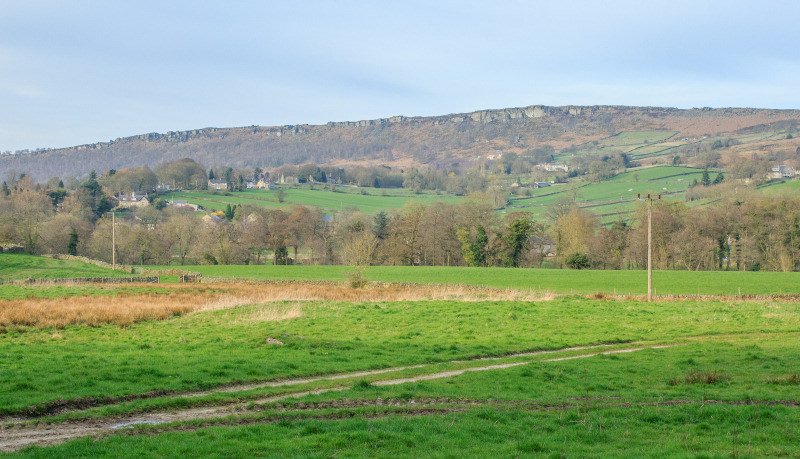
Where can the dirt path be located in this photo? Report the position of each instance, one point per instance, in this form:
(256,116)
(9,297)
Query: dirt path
(359,374)
(73,406)
(19,435)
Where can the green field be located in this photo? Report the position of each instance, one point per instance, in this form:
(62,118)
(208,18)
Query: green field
(617,196)
(612,199)
(628,140)
(22,266)
(481,375)
(372,202)
(553,280)
(560,281)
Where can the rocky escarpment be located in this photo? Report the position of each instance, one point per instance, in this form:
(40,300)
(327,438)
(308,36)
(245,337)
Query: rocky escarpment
(413,139)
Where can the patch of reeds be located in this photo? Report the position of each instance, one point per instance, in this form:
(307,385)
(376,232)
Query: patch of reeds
(125,309)
(94,311)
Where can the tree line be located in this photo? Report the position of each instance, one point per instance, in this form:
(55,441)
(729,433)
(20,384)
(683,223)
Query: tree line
(740,231)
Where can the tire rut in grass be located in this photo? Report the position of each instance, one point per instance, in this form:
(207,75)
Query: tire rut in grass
(19,435)
(14,438)
(58,407)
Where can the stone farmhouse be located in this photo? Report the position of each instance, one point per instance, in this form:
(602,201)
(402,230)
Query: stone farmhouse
(132,200)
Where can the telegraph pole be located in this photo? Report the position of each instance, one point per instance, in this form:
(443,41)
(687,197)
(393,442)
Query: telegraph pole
(649,200)
(113,239)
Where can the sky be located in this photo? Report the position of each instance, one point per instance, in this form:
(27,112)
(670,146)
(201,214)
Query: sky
(77,72)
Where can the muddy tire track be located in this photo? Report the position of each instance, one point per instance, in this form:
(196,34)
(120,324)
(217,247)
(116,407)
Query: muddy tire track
(21,434)
(18,437)
(70,406)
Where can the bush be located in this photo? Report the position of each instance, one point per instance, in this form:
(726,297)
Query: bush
(210,259)
(356,279)
(577,261)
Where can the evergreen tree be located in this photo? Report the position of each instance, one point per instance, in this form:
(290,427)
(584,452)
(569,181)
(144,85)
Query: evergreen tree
(706,180)
(517,240)
(211,174)
(72,245)
(719,178)
(379,223)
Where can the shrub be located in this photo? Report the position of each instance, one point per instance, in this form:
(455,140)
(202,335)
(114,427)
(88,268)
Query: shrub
(210,259)
(356,279)
(577,261)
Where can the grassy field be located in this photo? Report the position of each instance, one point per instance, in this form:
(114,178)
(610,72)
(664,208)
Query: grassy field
(320,369)
(632,139)
(552,280)
(373,201)
(615,196)
(22,266)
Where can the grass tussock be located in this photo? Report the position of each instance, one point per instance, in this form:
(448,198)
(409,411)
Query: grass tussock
(792,379)
(701,377)
(270,312)
(129,308)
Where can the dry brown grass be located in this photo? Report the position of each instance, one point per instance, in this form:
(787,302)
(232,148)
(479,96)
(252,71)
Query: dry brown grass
(126,309)
(94,311)
(270,312)
(297,291)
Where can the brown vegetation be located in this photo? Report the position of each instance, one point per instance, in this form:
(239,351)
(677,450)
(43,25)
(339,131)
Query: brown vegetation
(126,309)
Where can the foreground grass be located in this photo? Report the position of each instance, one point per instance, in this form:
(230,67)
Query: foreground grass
(715,431)
(206,349)
(623,405)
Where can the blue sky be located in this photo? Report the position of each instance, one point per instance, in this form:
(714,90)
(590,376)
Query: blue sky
(88,71)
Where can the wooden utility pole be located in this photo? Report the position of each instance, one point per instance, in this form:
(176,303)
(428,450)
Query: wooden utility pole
(113,240)
(649,200)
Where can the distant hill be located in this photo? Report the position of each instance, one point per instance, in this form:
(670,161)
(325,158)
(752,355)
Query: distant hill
(406,141)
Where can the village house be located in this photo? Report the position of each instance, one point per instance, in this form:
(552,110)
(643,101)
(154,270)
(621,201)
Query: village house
(217,185)
(553,167)
(265,184)
(781,172)
(132,200)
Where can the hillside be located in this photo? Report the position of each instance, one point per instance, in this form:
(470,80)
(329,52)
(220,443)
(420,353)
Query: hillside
(436,141)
